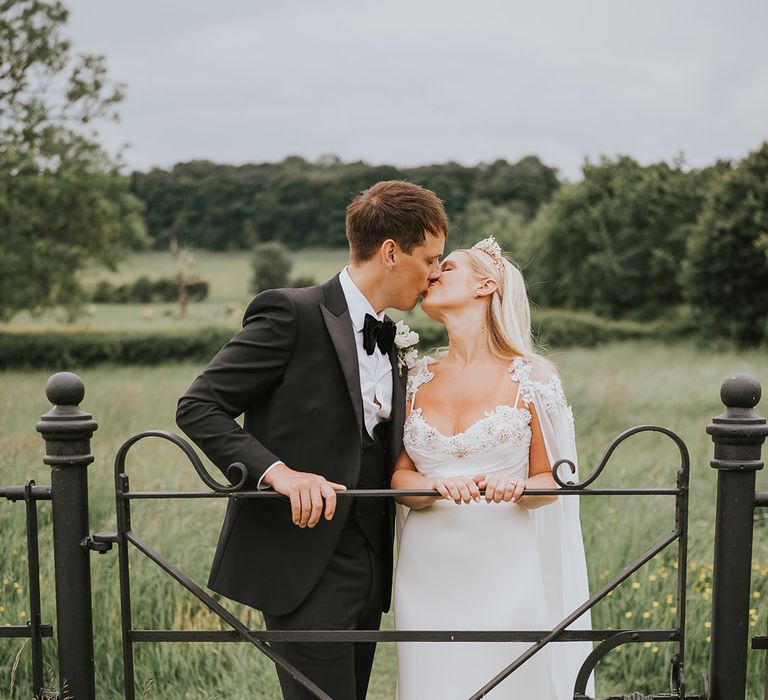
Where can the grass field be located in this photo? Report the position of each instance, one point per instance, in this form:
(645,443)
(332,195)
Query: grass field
(611,388)
(228,275)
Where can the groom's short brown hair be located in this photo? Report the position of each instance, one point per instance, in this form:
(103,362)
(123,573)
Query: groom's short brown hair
(394,209)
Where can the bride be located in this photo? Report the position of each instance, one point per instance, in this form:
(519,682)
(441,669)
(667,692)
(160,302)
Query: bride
(487,413)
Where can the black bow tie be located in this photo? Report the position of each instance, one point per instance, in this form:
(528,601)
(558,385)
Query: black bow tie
(381,333)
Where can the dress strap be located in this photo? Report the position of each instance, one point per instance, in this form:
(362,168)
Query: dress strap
(421,375)
(519,371)
(517,395)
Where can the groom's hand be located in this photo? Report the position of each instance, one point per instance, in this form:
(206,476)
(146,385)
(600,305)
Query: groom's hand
(306,491)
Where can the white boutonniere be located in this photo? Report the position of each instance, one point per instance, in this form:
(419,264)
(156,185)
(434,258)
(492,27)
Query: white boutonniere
(405,340)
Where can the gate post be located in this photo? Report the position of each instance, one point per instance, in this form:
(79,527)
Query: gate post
(738,434)
(67,432)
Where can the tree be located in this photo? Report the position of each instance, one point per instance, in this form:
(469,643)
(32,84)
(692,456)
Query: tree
(185,261)
(271,266)
(528,183)
(726,271)
(63,201)
(506,223)
(302,204)
(614,243)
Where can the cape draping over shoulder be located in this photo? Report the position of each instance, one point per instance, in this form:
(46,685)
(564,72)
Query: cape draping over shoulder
(558,526)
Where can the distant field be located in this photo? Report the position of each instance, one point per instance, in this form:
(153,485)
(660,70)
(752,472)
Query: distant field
(612,388)
(228,274)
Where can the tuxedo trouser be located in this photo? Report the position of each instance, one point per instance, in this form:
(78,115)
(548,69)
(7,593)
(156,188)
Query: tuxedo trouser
(348,596)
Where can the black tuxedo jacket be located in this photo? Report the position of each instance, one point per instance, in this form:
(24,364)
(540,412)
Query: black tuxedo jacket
(293,372)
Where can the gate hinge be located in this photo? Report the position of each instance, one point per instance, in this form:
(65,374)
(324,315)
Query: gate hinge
(100,542)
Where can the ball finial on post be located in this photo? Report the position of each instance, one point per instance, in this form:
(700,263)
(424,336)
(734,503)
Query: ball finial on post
(740,391)
(65,389)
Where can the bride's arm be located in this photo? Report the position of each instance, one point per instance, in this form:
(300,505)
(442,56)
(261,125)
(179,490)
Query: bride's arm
(406,476)
(460,489)
(539,468)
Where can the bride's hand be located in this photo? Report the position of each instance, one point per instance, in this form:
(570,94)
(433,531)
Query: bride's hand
(502,487)
(462,489)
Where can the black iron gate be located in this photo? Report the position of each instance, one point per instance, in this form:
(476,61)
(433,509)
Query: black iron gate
(738,434)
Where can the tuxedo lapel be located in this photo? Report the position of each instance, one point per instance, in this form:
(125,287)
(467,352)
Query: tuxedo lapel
(339,325)
(399,379)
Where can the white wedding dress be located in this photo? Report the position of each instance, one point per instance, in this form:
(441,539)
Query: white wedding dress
(489,566)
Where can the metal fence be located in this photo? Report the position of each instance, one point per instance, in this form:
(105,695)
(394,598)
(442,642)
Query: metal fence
(738,434)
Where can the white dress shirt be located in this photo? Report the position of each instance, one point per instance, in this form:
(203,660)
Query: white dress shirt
(375,369)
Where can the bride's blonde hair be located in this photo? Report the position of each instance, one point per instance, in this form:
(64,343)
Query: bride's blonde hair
(509,313)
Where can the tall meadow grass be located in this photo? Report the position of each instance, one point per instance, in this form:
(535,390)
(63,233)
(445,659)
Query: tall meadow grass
(611,388)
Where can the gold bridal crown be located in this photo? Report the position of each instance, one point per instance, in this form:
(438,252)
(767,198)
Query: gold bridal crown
(492,248)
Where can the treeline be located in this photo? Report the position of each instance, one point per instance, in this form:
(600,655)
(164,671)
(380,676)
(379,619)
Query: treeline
(302,204)
(648,242)
(627,241)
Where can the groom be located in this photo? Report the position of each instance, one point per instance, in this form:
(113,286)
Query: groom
(315,374)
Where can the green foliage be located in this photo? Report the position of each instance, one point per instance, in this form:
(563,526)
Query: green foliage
(60,350)
(528,183)
(271,266)
(726,274)
(300,204)
(506,223)
(558,328)
(614,242)
(63,202)
(146,291)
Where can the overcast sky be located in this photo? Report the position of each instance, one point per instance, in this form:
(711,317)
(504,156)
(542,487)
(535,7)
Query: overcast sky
(421,81)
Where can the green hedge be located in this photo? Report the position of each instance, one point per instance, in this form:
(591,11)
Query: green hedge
(145,291)
(556,328)
(60,350)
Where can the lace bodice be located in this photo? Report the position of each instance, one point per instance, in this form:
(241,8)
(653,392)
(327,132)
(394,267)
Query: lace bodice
(498,441)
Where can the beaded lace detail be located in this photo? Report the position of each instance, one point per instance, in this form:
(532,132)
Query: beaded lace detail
(550,393)
(422,375)
(500,425)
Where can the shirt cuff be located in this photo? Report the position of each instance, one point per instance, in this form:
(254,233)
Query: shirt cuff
(264,487)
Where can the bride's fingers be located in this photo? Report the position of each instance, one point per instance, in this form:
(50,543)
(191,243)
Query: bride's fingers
(478,478)
(474,490)
(490,488)
(509,491)
(519,491)
(498,493)
(441,489)
(455,495)
(466,497)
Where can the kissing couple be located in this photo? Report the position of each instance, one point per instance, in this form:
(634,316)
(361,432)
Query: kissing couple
(333,398)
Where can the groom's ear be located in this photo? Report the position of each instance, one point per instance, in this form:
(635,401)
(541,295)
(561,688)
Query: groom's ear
(388,253)
(486,288)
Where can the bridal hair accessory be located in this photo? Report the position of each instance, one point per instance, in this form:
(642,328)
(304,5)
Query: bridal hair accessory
(492,248)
